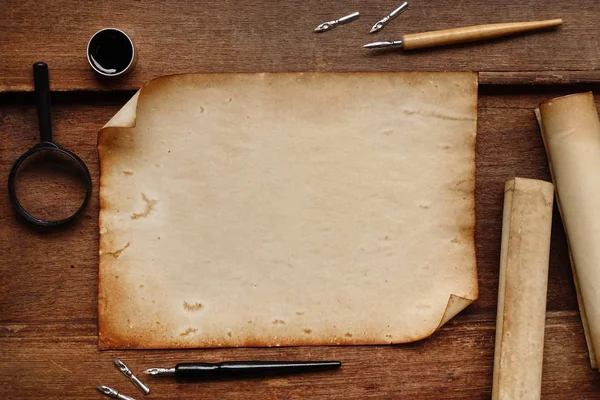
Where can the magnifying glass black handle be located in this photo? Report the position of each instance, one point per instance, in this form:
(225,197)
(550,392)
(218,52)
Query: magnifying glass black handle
(42,100)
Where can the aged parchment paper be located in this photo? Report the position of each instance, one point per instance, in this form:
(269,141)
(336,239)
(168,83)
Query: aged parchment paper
(287,209)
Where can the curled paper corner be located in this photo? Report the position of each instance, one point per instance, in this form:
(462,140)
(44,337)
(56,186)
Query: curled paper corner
(455,305)
(125,118)
(127,115)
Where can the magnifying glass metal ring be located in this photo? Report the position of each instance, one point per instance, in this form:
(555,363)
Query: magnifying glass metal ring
(12,193)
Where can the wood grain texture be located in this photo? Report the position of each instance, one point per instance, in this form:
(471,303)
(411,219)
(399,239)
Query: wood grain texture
(69,366)
(48,280)
(235,36)
(48,288)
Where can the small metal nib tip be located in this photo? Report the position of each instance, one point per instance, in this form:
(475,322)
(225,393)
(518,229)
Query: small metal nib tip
(376,28)
(325,26)
(383,45)
(376,45)
(107,391)
(160,371)
(119,363)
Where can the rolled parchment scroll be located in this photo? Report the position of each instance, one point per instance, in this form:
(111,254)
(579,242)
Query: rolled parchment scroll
(571,133)
(525,250)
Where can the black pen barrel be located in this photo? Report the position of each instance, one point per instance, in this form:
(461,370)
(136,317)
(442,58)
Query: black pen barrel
(240,369)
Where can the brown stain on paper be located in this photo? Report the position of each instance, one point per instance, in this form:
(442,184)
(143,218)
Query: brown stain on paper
(149,207)
(188,331)
(117,253)
(192,306)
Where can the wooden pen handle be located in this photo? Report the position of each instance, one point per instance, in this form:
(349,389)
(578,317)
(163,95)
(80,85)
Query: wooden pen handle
(472,33)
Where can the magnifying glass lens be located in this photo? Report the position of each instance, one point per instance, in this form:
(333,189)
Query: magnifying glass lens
(50,185)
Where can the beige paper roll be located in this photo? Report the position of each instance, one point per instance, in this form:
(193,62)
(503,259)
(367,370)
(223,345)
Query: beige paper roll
(525,251)
(571,133)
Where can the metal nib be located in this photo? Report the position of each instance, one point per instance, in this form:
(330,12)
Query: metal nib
(381,23)
(127,372)
(377,27)
(160,371)
(325,26)
(110,392)
(384,44)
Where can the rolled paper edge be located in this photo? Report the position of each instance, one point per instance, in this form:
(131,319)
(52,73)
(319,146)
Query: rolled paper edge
(511,201)
(584,320)
(508,197)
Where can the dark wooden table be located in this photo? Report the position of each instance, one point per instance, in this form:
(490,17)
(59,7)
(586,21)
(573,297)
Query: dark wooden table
(48,281)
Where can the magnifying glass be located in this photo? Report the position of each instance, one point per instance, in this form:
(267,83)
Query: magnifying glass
(48,185)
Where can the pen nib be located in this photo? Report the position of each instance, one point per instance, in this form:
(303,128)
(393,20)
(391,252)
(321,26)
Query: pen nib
(107,391)
(110,392)
(134,379)
(152,371)
(384,44)
(381,23)
(160,371)
(122,367)
(377,27)
(325,26)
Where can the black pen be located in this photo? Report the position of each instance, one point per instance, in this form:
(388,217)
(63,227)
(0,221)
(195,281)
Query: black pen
(241,369)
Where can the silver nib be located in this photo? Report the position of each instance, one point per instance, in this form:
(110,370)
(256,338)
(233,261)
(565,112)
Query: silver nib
(160,371)
(326,26)
(381,23)
(127,372)
(110,392)
(383,45)
(123,368)
(377,27)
